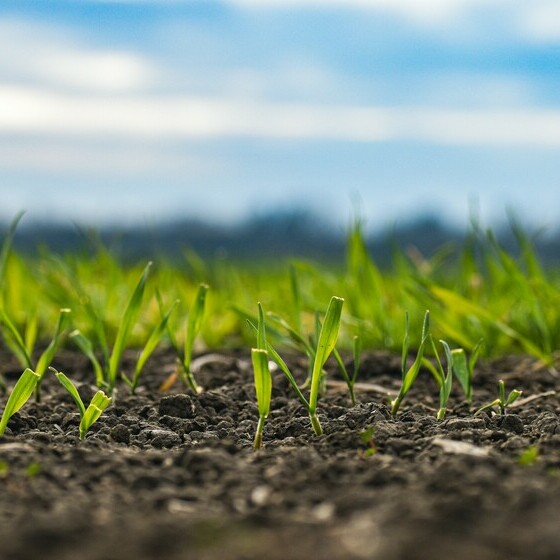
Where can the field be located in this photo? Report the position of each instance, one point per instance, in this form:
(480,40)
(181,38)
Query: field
(158,411)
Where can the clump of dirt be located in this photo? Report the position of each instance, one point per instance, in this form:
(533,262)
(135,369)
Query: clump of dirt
(174,476)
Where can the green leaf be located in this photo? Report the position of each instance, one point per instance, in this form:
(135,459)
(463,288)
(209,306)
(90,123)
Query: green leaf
(273,354)
(85,345)
(448,381)
(295,336)
(71,388)
(462,371)
(194,322)
(405,345)
(410,375)
(513,396)
(263,380)
(150,346)
(325,345)
(20,345)
(20,394)
(98,404)
(357,355)
(48,355)
(127,323)
(261,329)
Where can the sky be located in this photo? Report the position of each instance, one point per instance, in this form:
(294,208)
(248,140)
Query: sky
(115,111)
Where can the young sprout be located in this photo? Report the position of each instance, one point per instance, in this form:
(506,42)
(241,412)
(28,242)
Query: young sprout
(263,343)
(149,347)
(106,375)
(23,389)
(326,341)
(263,389)
(194,324)
(24,351)
(463,368)
(91,414)
(350,379)
(325,345)
(501,402)
(446,378)
(127,322)
(409,376)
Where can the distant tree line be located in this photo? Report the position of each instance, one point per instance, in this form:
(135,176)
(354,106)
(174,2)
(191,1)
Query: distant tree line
(284,235)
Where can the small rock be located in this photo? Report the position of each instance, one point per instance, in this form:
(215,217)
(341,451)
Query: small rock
(459,424)
(163,438)
(512,423)
(547,423)
(39,436)
(178,406)
(120,433)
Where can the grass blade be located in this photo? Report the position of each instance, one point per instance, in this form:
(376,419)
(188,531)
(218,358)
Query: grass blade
(85,345)
(19,345)
(127,323)
(71,388)
(96,407)
(445,390)
(326,342)
(23,389)
(410,375)
(152,343)
(47,356)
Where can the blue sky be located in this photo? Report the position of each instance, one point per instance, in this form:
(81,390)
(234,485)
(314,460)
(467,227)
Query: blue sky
(145,110)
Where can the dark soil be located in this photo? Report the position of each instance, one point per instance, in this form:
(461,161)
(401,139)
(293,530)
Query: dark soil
(174,476)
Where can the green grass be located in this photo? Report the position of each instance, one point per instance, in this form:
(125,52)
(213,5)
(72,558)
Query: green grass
(479,291)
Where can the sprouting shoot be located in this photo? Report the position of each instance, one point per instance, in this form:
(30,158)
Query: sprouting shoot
(89,415)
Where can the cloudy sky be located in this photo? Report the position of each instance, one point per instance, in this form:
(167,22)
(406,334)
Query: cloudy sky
(150,110)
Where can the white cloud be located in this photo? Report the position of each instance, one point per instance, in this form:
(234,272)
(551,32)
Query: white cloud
(540,21)
(32,112)
(31,52)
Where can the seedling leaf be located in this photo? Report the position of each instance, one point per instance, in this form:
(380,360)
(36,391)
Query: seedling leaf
(70,387)
(20,394)
(98,404)
(127,322)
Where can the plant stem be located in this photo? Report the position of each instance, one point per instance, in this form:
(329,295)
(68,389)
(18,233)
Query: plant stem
(316,424)
(257,443)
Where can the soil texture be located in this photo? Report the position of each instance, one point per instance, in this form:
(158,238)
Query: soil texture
(173,475)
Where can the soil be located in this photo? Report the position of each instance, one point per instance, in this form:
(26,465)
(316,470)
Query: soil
(174,476)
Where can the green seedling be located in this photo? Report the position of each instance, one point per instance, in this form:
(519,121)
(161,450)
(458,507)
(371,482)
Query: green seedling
(89,415)
(325,345)
(263,389)
(263,379)
(529,456)
(445,377)
(185,353)
(463,368)
(350,379)
(328,335)
(367,438)
(128,320)
(107,374)
(501,402)
(23,389)
(409,375)
(147,351)
(25,353)
(263,343)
